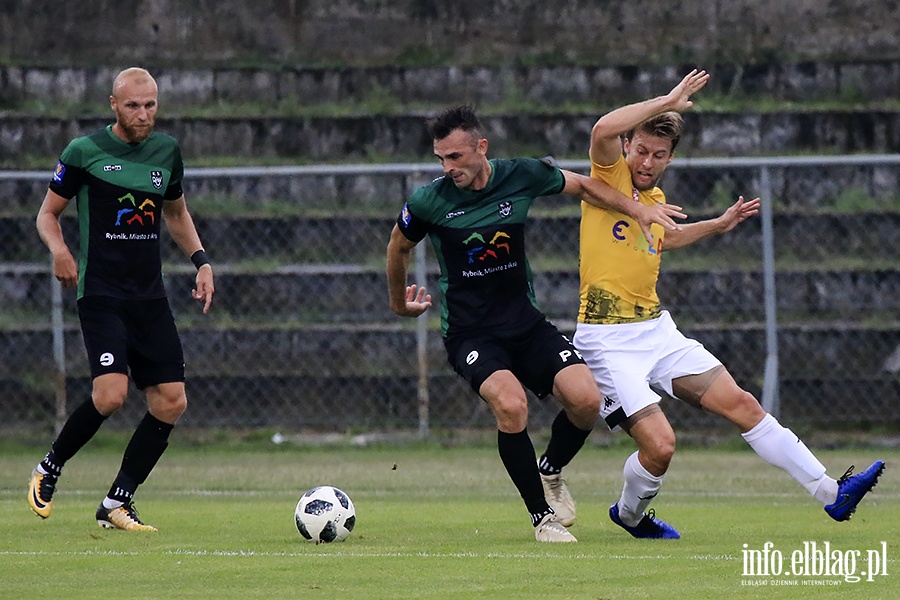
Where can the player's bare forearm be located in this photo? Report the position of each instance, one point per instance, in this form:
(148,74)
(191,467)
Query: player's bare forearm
(181,226)
(597,193)
(65,267)
(602,195)
(406,301)
(694,232)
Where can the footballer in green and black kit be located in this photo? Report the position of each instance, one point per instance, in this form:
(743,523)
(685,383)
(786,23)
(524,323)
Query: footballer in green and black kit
(486,281)
(120,189)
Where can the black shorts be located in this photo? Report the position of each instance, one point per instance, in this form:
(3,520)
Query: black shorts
(534,356)
(138,334)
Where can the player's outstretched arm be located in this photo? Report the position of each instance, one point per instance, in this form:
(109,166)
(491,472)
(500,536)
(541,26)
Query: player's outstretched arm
(406,301)
(606,147)
(690,233)
(65,268)
(602,195)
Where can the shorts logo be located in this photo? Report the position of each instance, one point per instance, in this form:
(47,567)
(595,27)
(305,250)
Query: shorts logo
(156,178)
(59,173)
(106,359)
(472,357)
(505,209)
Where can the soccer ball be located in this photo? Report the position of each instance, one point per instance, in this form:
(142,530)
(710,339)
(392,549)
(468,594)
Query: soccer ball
(325,514)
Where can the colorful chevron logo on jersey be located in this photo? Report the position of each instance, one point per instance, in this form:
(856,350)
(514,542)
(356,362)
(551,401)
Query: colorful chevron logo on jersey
(484,249)
(143,214)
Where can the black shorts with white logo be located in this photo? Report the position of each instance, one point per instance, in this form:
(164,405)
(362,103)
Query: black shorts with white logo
(140,335)
(534,356)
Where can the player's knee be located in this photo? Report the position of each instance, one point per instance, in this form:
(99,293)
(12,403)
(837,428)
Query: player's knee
(585,412)
(169,406)
(660,451)
(745,409)
(108,401)
(511,413)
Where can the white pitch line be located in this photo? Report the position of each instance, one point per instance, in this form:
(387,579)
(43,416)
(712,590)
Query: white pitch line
(876,494)
(344,554)
(402,555)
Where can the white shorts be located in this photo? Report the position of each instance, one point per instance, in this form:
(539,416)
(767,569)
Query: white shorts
(633,363)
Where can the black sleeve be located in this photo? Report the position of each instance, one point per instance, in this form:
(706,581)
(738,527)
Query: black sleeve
(413,228)
(67,180)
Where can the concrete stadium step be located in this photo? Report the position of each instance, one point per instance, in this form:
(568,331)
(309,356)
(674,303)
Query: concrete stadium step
(403,137)
(356,86)
(266,243)
(699,185)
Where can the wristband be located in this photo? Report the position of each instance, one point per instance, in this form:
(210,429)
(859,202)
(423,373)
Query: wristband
(199,258)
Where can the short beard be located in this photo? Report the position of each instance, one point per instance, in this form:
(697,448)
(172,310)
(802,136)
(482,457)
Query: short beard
(136,135)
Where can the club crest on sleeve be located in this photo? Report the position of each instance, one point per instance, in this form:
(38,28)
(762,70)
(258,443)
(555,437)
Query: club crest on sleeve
(505,209)
(405,216)
(156,178)
(59,173)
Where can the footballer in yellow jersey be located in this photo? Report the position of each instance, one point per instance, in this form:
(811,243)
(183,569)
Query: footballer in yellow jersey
(619,266)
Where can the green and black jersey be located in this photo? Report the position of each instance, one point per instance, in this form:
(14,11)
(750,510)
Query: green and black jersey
(479,239)
(119,189)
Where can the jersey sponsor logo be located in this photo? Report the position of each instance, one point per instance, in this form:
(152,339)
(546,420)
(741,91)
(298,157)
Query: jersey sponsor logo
(483,250)
(156,178)
(454,214)
(109,168)
(143,214)
(405,215)
(618,232)
(505,209)
(618,228)
(59,173)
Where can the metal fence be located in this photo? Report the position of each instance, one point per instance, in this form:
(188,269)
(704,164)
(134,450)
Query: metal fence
(802,304)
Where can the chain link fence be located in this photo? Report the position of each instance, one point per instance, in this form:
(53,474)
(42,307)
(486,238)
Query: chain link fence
(801,304)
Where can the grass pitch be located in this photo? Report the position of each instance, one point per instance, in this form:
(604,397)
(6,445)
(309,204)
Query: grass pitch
(434,522)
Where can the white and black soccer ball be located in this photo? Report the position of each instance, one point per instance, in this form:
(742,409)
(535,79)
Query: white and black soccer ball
(325,514)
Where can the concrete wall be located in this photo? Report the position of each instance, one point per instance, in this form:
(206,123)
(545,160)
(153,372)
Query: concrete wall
(393,88)
(403,138)
(611,32)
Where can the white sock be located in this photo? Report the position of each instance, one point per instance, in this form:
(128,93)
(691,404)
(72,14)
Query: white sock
(779,447)
(111,504)
(639,490)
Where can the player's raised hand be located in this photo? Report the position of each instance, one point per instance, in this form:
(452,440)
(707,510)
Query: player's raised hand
(680,96)
(661,214)
(737,213)
(417,301)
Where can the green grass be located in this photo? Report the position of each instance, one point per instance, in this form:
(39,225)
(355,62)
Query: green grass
(433,522)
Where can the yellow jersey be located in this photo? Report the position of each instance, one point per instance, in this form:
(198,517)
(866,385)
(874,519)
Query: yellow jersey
(618,267)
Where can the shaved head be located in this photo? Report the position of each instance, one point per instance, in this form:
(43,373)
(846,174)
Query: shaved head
(134,100)
(132,75)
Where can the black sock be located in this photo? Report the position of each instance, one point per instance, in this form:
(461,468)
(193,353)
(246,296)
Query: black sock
(565,442)
(147,445)
(517,454)
(79,428)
